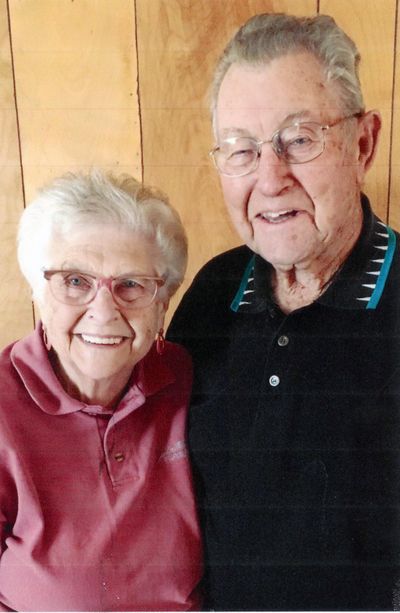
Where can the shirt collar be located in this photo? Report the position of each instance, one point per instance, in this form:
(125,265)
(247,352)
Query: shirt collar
(30,359)
(358,284)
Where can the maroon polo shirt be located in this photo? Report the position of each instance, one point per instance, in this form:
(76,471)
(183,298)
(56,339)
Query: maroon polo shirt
(96,506)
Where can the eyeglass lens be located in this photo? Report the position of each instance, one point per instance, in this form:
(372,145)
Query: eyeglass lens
(297,143)
(78,288)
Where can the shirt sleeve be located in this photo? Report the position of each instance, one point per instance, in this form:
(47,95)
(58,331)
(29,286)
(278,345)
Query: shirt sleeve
(8,502)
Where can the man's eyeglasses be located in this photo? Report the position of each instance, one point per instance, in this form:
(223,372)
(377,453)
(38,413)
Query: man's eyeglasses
(77,288)
(298,143)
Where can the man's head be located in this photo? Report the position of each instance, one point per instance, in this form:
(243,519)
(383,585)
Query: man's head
(271,35)
(289,118)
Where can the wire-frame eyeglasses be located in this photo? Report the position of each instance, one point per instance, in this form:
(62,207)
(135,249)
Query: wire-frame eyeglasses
(297,143)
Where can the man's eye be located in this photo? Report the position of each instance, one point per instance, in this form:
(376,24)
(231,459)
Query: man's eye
(241,152)
(241,156)
(300,141)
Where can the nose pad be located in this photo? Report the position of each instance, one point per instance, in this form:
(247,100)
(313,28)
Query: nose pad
(277,147)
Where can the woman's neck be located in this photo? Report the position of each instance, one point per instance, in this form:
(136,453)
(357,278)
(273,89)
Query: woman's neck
(104,392)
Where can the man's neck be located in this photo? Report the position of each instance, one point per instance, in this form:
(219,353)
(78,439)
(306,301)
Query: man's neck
(297,288)
(301,285)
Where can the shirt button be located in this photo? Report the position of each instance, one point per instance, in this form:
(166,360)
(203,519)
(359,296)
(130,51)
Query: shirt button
(119,457)
(274,380)
(283,340)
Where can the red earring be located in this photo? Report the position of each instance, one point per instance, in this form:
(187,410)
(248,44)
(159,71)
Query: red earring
(160,342)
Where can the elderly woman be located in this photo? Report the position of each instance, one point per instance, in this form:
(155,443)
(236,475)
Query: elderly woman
(96,501)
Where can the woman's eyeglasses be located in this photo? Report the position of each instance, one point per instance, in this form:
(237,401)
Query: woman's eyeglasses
(77,288)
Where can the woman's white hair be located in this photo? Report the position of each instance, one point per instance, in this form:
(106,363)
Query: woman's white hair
(76,200)
(271,35)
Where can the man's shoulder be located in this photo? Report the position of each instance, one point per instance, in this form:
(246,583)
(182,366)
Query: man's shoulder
(240,252)
(231,263)
(217,281)
(206,304)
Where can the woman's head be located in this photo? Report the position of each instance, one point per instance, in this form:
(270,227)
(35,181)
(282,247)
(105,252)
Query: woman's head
(75,201)
(103,256)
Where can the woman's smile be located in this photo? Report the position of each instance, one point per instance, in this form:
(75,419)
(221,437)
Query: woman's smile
(102,341)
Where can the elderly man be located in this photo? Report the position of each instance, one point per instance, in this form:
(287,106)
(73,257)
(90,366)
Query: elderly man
(295,336)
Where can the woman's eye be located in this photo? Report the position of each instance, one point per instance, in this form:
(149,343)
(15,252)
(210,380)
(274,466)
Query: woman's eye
(129,283)
(77,281)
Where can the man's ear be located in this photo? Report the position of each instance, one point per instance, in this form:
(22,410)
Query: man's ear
(369,128)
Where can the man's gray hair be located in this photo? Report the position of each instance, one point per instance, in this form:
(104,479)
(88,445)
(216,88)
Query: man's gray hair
(271,35)
(81,200)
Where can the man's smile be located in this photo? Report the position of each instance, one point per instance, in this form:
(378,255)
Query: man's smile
(277,217)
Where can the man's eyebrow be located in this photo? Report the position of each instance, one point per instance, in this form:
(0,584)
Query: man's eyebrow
(227,132)
(303,115)
(297,116)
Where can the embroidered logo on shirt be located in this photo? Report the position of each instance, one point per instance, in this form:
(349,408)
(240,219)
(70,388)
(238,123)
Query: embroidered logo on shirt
(176,452)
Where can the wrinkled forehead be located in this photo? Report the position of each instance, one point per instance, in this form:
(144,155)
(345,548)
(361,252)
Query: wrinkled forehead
(289,88)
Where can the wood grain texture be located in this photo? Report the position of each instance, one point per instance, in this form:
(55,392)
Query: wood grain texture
(179,42)
(394,183)
(16,318)
(76,95)
(76,82)
(371,24)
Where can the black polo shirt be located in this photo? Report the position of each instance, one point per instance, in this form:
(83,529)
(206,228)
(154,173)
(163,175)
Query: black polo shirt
(294,432)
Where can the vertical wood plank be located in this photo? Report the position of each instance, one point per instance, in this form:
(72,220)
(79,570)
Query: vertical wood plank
(76,82)
(394,184)
(179,42)
(371,24)
(16,318)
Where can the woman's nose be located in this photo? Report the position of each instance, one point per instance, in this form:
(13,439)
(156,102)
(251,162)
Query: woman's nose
(103,307)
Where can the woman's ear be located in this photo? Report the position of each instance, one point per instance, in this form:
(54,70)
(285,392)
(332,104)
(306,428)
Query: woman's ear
(369,128)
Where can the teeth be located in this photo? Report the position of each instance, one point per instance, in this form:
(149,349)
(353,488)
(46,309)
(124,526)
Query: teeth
(99,340)
(280,216)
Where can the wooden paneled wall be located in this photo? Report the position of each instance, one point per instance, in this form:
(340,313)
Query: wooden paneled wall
(123,85)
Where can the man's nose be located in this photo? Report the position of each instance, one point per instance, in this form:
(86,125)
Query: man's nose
(103,307)
(273,172)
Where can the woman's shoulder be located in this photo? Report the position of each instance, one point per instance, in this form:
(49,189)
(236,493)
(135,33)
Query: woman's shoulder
(170,369)
(177,357)
(13,394)
(19,369)
(6,366)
